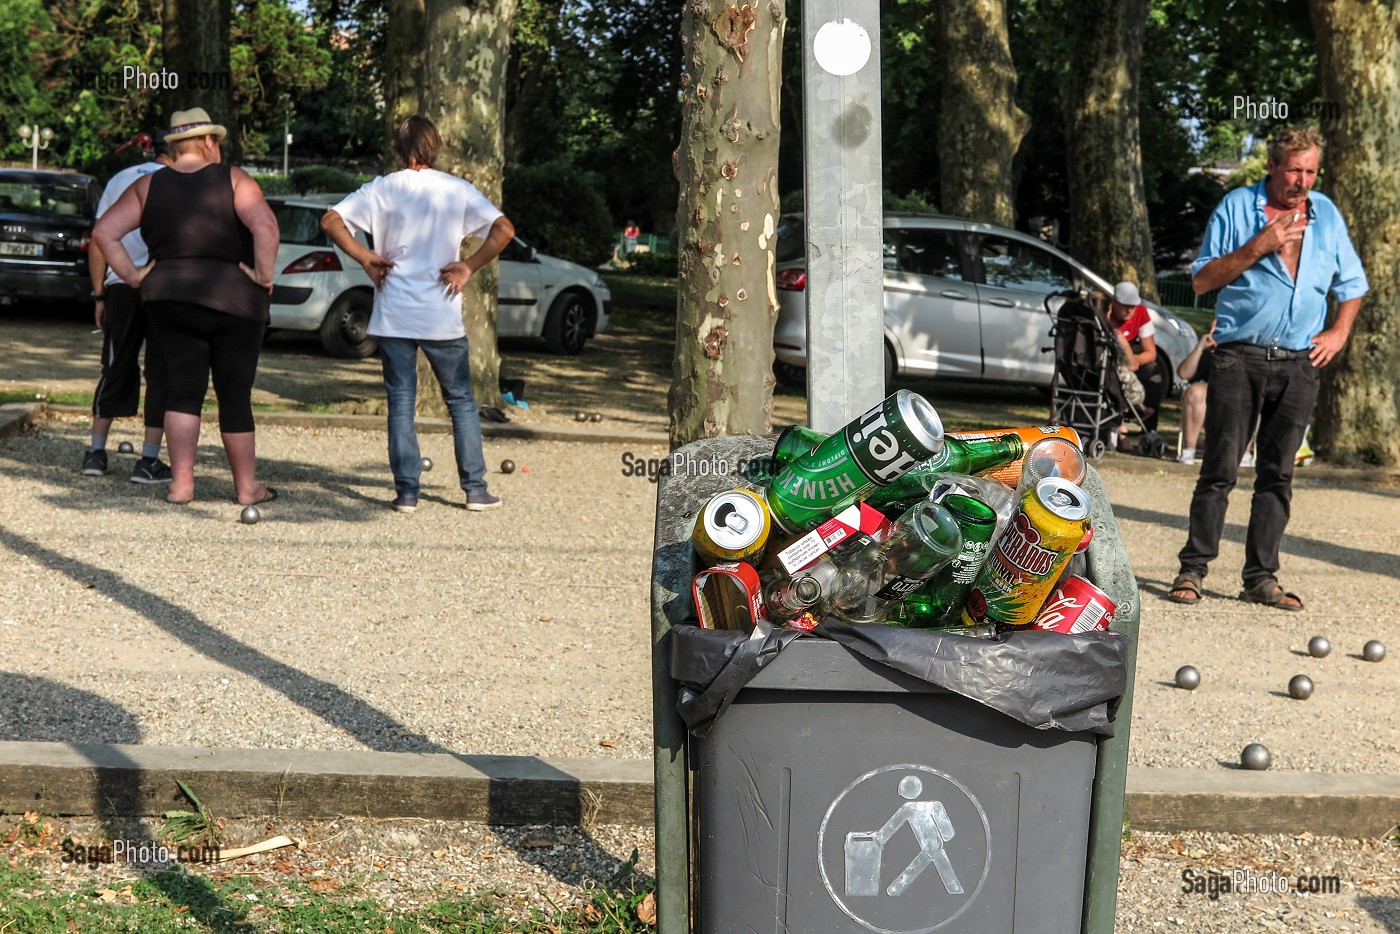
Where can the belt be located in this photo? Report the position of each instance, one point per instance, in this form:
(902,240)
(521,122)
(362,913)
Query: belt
(1268,353)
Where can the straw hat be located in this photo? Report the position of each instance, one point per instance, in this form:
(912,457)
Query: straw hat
(187,124)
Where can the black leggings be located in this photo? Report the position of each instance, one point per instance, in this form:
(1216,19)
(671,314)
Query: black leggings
(196,341)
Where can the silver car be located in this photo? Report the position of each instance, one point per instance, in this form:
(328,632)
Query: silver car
(319,288)
(963,300)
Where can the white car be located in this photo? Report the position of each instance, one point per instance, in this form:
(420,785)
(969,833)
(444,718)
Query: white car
(319,288)
(963,300)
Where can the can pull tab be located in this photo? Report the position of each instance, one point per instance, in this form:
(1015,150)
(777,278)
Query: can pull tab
(731,518)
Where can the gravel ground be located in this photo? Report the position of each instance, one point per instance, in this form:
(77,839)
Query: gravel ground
(336,623)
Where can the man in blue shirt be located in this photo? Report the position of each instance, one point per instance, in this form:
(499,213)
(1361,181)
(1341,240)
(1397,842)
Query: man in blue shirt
(1274,250)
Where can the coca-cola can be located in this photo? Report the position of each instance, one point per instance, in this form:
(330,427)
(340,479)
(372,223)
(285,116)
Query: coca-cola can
(1076,606)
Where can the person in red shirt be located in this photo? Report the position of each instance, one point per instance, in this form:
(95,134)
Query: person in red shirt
(1128,315)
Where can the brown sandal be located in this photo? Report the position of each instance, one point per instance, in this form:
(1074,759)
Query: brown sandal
(1190,588)
(1269,592)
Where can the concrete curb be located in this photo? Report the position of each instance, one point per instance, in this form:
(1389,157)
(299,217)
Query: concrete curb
(16,417)
(97,779)
(101,779)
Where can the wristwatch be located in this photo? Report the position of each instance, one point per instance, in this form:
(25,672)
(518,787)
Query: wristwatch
(97,296)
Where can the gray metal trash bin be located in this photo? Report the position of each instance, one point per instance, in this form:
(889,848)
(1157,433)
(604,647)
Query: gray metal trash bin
(837,795)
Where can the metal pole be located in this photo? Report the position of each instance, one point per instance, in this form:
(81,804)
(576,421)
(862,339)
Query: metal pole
(844,213)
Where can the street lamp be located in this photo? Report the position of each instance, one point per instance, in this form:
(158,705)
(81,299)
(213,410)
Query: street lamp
(34,135)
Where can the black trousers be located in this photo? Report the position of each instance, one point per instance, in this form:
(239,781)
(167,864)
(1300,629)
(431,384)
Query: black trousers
(124,331)
(1244,386)
(196,342)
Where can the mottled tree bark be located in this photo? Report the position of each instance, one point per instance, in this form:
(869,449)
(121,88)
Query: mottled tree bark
(727,166)
(195,36)
(448,63)
(1107,201)
(979,126)
(403,69)
(1358,413)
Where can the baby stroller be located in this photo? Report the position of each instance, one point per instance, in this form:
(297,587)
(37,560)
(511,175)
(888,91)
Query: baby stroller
(1086,392)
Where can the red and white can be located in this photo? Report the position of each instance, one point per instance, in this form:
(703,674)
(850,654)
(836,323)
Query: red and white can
(1076,606)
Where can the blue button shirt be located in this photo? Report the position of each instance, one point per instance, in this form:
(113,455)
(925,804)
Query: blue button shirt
(1264,305)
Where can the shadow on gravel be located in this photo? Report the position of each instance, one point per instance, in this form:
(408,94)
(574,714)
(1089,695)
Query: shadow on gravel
(1355,559)
(1385,909)
(39,710)
(560,801)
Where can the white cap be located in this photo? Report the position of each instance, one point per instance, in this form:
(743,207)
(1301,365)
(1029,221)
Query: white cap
(1126,293)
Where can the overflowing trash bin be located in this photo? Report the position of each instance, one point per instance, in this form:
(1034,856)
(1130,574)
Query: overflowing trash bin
(819,775)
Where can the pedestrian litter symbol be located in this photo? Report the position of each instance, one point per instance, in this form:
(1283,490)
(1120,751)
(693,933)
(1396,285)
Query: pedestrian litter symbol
(883,834)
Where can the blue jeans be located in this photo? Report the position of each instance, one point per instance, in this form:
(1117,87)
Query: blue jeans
(1246,387)
(452,366)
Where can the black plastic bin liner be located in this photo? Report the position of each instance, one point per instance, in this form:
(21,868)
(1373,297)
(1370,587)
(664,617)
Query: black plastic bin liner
(1046,680)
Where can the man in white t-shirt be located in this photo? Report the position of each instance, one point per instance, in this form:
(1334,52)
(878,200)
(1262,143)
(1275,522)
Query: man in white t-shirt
(418,218)
(124,331)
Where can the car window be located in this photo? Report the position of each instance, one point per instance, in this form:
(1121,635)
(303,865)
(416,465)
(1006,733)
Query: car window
(790,242)
(1014,264)
(39,198)
(516,251)
(300,225)
(925,252)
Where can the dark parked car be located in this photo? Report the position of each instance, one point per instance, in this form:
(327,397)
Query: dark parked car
(45,225)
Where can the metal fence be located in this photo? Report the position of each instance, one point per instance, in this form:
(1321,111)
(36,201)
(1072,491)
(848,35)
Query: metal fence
(1174,290)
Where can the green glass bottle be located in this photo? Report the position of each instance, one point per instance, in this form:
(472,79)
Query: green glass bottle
(794,441)
(957,456)
(947,590)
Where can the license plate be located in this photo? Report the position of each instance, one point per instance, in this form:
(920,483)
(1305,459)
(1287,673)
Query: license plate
(21,249)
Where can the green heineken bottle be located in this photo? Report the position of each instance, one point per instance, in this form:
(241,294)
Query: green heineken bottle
(875,449)
(957,456)
(794,441)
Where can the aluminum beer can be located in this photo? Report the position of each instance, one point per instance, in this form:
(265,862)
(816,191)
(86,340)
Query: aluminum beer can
(1076,606)
(733,526)
(1013,584)
(875,449)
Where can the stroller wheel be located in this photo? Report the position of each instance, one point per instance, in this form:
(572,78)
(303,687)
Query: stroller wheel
(1097,448)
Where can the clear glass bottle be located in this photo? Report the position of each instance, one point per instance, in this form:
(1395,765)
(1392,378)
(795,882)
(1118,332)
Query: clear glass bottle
(874,580)
(785,598)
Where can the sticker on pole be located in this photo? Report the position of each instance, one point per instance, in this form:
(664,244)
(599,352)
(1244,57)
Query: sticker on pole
(904,849)
(841,47)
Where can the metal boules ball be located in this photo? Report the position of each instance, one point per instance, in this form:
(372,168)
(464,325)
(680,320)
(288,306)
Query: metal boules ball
(507,466)
(1188,677)
(249,515)
(427,463)
(1255,757)
(126,447)
(1300,687)
(1319,647)
(595,417)
(580,416)
(1373,651)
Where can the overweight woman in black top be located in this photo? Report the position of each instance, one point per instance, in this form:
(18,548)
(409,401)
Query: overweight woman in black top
(213,246)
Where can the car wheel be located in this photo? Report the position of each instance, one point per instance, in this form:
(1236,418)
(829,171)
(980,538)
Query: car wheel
(891,368)
(566,326)
(345,332)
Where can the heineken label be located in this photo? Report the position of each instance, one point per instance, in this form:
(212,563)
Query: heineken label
(875,449)
(883,444)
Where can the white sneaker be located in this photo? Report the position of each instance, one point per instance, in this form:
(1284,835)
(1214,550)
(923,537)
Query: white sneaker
(1186,457)
(1248,459)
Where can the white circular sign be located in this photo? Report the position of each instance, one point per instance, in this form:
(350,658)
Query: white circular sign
(842,47)
(904,849)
